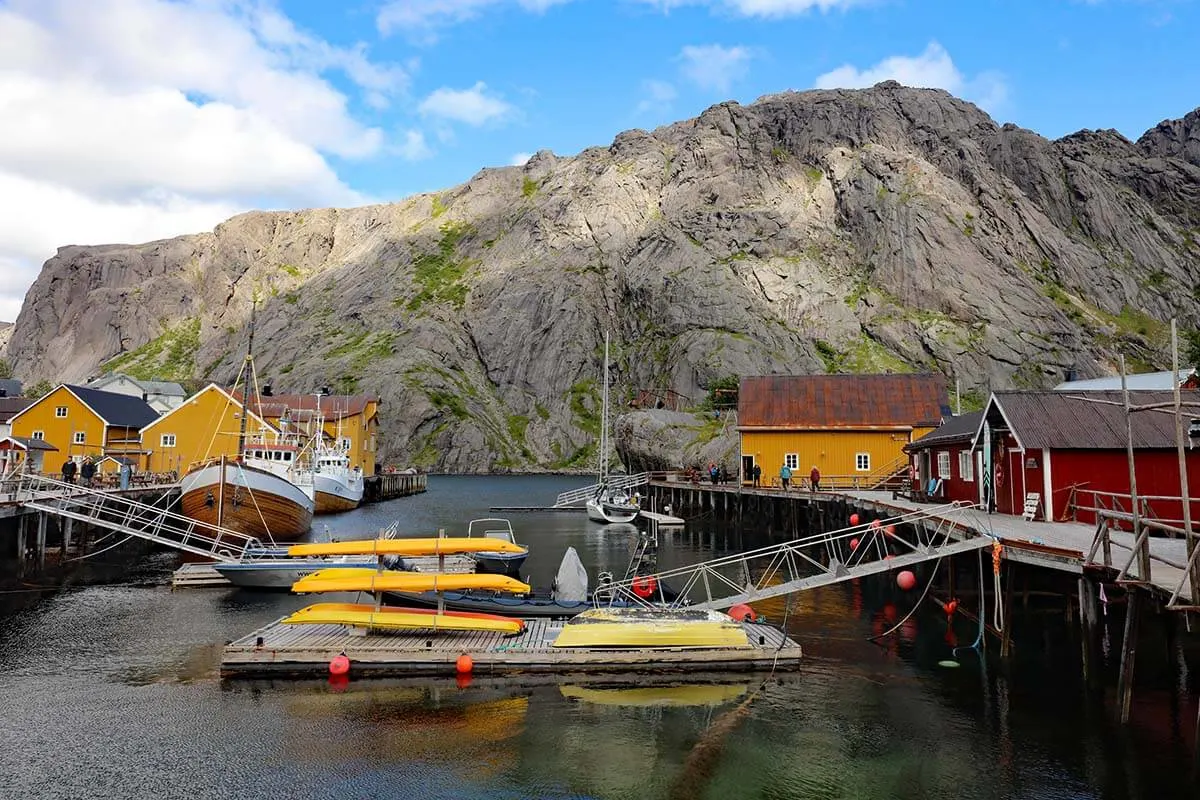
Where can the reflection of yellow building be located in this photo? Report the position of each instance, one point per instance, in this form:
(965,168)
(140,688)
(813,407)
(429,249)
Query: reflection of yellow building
(694,694)
(205,426)
(851,427)
(349,421)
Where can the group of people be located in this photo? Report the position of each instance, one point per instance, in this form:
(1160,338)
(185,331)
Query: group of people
(785,477)
(87,472)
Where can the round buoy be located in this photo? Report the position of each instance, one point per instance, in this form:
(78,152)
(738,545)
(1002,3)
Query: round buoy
(875,524)
(339,665)
(906,580)
(464,664)
(854,544)
(950,607)
(854,519)
(742,612)
(644,586)
(890,530)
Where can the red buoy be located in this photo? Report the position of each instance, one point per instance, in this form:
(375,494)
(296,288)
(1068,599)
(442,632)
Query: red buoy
(464,664)
(854,519)
(339,665)
(890,530)
(906,580)
(854,544)
(950,607)
(742,613)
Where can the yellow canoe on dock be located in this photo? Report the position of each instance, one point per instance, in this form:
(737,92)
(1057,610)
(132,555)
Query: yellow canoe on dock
(365,579)
(433,546)
(362,615)
(651,628)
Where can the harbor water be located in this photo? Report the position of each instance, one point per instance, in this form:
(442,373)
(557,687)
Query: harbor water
(110,689)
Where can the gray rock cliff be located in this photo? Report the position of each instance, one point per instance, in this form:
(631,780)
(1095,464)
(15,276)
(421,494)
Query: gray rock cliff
(874,230)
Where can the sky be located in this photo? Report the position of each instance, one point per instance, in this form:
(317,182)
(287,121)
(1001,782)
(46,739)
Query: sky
(132,120)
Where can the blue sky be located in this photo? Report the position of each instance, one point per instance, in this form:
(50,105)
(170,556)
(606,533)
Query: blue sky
(168,116)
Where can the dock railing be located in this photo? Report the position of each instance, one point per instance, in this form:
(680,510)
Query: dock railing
(585,493)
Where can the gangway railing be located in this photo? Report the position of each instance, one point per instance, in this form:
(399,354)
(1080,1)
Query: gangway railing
(618,482)
(806,563)
(116,512)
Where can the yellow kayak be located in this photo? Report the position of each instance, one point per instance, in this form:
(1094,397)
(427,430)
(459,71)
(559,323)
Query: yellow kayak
(365,579)
(642,628)
(362,615)
(435,546)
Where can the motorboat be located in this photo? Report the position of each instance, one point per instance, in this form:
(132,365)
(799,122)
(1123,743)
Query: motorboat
(501,561)
(275,569)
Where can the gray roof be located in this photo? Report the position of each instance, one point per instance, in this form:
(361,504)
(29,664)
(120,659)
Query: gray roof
(955,429)
(116,409)
(1089,420)
(1144,381)
(168,388)
(11,387)
(11,406)
(30,444)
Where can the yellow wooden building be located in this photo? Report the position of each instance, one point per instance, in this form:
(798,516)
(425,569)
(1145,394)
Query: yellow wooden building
(205,426)
(350,421)
(80,422)
(852,428)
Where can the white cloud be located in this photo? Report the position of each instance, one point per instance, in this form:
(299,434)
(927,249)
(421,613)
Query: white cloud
(128,120)
(414,147)
(419,18)
(657,97)
(472,106)
(519,159)
(714,67)
(759,8)
(931,69)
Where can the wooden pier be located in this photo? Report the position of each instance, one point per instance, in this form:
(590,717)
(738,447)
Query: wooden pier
(390,485)
(306,650)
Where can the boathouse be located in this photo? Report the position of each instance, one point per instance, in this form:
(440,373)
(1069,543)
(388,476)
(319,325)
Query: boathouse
(1061,455)
(945,459)
(81,422)
(853,428)
(205,426)
(350,421)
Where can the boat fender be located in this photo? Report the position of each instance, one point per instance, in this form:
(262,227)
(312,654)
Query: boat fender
(743,613)
(339,665)
(644,585)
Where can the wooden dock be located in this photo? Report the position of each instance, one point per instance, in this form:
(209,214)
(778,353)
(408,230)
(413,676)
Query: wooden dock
(306,650)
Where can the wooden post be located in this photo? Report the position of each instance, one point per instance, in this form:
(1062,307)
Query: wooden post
(1133,607)
(1007,592)
(66,536)
(1087,626)
(21,544)
(1189,534)
(41,540)
(1143,553)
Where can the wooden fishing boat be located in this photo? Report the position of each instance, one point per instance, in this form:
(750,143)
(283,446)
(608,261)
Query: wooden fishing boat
(430,546)
(651,628)
(336,485)
(373,580)
(242,497)
(366,615)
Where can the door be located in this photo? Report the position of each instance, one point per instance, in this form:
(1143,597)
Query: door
(747,469)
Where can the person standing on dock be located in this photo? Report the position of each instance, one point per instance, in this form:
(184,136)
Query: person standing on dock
(87,471)
(785,475)
(68,471)
(814,478)
(757,474)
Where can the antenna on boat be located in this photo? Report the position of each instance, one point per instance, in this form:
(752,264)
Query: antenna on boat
(604,419)
(249,368)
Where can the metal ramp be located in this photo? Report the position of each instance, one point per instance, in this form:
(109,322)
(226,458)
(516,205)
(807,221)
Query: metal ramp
(118,513)
(614,481)
(818,560)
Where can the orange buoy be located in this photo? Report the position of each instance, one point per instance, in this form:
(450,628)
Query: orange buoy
(890,530)
(854,519)
(464,664)
(644,586)
(742,612)
(906,580)
(854,544)
(339,665)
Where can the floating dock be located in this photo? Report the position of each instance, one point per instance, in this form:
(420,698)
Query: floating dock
(306,650)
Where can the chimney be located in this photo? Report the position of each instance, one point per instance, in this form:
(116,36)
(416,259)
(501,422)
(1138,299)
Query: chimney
(1070,374)
(266,390)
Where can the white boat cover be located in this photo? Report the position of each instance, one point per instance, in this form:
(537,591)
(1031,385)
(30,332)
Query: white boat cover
(571,582)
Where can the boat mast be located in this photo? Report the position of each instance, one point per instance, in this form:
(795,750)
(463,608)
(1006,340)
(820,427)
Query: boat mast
(247,368)
(604,418)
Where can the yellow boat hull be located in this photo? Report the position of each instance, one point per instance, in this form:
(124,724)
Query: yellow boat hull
(362,615)
(646,628)
(436,546)
(365,579)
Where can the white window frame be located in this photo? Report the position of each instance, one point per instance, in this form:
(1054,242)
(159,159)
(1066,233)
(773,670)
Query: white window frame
(345,443)
(60,412)
(966,466)
(862,462)
(39,435)
(791,461)
(943,464)
(166,440)
(80,437)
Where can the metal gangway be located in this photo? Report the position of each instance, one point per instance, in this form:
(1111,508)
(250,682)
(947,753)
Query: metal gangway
(116,512)
(613,482)
(811,561)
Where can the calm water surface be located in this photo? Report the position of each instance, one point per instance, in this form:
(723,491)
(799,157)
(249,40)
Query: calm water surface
(111,691)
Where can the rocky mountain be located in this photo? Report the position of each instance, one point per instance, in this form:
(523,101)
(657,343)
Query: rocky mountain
(6,330)
(883,229)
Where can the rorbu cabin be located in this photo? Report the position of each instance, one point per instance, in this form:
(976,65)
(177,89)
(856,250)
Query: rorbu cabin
(1061,455)
(853,428)
(944,465)
(205,426)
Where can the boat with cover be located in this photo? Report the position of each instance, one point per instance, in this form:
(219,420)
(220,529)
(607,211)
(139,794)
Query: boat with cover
(610,503)
(501,561)
(652,628)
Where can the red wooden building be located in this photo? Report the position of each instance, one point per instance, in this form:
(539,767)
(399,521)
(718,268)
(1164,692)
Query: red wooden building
(1066,451)
(946,455)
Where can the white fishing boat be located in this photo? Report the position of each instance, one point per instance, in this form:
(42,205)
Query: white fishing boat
(610,503)
(336,485)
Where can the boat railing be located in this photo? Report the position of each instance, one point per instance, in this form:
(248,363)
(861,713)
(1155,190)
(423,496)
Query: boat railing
(615,482)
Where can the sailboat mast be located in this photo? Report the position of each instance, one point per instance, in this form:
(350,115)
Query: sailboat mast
(247,369)
(604,418)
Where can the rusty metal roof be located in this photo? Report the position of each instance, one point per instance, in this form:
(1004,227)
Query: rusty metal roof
(955,429)
(1088,420)
(842,401)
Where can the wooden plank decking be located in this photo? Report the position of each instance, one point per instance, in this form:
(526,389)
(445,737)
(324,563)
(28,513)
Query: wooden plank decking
(305,650)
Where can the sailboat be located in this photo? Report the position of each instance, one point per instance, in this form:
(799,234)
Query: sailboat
(609,504)
(265,491)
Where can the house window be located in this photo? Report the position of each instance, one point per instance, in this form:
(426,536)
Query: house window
(80,437)
(60,411)
(345,444)
(862,462)
(39,435)
(791,460)
(166,440)
(944,465)
(966,465)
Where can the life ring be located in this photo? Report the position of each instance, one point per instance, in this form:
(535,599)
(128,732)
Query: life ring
(644,586)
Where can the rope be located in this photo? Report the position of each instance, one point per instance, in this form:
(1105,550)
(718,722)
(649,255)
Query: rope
(916,605)
(998,610)
(982,613)
(105,550)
